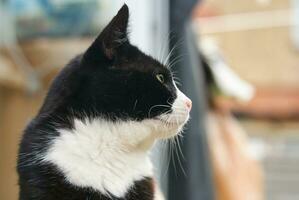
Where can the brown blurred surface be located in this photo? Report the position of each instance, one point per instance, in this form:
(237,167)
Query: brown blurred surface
(16,111)
(237,175)
(223,7)
(272,104)
(17,106)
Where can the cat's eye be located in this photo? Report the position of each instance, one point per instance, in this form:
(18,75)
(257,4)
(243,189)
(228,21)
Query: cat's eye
(160,78)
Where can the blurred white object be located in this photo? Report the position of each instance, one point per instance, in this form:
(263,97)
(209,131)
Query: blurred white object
(229,83)
(257,148)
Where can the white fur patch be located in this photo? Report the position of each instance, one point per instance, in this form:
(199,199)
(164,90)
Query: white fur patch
(111,156)
(100,155)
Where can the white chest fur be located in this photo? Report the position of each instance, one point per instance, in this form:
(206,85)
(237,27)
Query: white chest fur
(99,155)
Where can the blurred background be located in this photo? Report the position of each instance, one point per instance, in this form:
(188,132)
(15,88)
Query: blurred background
(240,65)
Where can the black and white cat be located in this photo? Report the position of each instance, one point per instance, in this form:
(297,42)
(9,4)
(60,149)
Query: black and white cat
(103,112)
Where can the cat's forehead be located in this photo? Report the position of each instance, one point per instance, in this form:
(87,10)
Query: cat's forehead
(150,66)
(148,63)
(134,59)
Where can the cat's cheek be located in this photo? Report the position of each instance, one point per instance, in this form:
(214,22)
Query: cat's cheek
(179,116)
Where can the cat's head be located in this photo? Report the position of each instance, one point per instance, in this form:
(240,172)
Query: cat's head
(115,81)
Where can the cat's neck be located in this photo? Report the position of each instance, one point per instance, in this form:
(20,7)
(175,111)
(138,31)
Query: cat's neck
(106,156)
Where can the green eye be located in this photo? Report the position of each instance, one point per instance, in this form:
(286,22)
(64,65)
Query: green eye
(160,78)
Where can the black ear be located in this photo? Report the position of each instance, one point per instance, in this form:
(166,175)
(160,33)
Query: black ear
(113,35)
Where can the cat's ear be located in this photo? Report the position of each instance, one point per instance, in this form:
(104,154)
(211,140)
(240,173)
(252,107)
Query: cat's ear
(113,36)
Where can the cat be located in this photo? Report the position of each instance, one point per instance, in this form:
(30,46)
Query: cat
(92,136)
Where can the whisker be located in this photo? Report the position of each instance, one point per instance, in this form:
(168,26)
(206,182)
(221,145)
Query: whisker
(172,156)
(179,146)
(135,104)
(167,150)
(175,61)
(151,108)
(166,60)
(162,51)
(178,156)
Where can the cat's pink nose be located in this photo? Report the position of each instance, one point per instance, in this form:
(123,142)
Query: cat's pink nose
(188,103)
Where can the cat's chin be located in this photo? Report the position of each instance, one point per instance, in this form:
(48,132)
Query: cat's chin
(165,128)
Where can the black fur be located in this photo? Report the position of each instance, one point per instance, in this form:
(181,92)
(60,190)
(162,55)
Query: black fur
(58,189)
(113,80)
